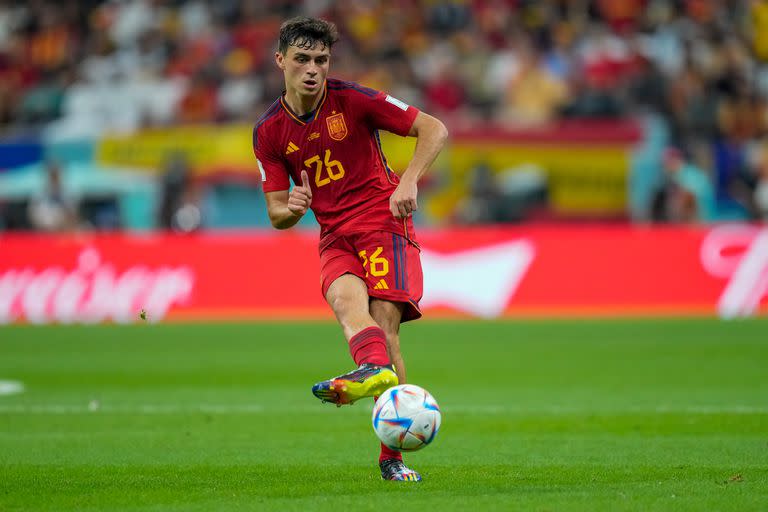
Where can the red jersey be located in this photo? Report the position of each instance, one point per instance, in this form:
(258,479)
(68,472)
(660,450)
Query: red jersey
(338,145)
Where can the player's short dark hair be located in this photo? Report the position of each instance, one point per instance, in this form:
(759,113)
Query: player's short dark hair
(304,32)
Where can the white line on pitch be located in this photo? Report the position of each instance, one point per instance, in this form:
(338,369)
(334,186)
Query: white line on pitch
(139,409)
(660,409)
(11,387)
(159,409)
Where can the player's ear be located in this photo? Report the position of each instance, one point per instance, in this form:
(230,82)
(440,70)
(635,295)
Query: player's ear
(280,60)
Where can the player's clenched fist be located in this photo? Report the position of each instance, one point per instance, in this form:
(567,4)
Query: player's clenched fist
(402,202)
(300,197)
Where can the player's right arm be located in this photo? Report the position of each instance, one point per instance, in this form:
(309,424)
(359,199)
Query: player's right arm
(287,208)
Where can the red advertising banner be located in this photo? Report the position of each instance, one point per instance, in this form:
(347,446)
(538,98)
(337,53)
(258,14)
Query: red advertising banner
(482,272)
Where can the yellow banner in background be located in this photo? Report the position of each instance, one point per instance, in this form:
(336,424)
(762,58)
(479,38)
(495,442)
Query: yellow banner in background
(581,180)
(398,150)
(212,148)
(207,148)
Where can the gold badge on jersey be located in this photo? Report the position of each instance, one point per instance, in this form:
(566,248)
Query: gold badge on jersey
(337,128)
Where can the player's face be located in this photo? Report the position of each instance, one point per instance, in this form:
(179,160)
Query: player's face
(305,69)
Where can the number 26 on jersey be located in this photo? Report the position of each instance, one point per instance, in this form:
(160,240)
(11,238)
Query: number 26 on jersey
(326,169)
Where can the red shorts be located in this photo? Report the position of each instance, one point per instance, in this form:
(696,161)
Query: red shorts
(388,263)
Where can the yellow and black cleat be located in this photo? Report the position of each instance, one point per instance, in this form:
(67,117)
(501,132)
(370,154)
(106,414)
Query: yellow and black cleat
(367,381)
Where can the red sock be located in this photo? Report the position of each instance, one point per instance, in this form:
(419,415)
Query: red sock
(386,452)
(369,346)
(389,453)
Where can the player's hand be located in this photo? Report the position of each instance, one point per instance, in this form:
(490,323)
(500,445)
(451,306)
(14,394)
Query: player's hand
(300,197)
(402,202)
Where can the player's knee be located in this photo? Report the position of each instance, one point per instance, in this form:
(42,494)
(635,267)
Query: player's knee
(344,305)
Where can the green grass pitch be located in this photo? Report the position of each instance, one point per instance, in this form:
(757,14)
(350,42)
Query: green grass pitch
(537,415)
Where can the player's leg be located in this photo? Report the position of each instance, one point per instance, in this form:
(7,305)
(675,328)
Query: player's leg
(388,315)
(398,301)
(342,279)
(389,308)
(395,285)
(347,295)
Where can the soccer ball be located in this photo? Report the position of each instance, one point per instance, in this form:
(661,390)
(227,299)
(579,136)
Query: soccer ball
(406,418)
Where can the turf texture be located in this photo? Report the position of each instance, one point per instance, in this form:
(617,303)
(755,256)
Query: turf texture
(537,415)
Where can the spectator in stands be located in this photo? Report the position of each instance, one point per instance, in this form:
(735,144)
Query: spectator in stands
(693,107)
(41,103)
(760,198)
(240,89)
(688,190)
(200,104)
(483,204)
(535,95)
(52,210)
(180,204)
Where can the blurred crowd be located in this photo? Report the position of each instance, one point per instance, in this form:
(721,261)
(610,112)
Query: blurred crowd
(80,68)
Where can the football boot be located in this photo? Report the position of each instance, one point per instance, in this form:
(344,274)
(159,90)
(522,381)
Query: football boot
(366,381)
(396,470)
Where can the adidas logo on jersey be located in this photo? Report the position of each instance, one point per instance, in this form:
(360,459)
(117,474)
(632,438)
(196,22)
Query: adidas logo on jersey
(381,285)
(291,148)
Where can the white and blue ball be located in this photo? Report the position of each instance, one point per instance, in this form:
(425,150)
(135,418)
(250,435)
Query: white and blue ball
(406,417)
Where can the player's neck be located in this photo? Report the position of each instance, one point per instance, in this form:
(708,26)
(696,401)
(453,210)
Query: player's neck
(303,104)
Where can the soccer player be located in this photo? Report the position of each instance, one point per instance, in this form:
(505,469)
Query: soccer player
(323,134)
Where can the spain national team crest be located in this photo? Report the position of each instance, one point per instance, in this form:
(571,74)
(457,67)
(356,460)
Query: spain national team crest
(337,128)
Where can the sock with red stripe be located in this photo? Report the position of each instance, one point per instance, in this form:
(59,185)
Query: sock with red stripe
(369,346)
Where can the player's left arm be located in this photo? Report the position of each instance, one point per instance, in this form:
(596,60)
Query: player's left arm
(431,135)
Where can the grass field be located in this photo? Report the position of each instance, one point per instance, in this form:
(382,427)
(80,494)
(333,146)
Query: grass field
(548,416)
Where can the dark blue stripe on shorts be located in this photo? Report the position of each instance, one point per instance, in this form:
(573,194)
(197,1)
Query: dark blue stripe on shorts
(397,262)
(401,268)
(404,262)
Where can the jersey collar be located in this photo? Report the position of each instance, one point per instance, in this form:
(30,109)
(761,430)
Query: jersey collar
(293,115)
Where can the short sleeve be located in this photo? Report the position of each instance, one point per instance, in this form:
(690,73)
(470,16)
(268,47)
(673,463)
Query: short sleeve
(274,175)
(385,112)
